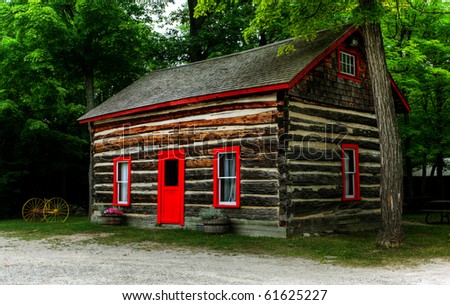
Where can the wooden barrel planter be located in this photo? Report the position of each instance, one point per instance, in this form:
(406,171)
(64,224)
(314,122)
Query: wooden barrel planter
(216,226)
(110,220)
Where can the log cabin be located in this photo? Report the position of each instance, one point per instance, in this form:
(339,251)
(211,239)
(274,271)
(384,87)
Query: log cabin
(285,145)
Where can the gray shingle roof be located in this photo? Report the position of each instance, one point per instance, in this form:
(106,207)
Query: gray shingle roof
(249,69)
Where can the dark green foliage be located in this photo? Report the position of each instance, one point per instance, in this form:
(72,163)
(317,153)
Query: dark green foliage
(418,49)
(47,50)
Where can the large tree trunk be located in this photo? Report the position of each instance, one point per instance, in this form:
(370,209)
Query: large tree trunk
(196,52)
(391,188)
(89,95)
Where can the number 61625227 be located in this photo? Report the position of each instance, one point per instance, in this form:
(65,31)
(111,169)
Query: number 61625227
(295,295)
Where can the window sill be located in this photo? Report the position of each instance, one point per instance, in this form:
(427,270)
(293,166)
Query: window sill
(349,77)
(352,199)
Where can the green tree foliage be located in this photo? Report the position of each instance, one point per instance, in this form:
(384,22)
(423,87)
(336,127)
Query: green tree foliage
(417,40)
(41,138)
(51,51)
(217,33)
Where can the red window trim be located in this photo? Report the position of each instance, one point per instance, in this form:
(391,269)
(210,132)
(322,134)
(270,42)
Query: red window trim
(357,195)
(355,78)
(216,202)
(115,184)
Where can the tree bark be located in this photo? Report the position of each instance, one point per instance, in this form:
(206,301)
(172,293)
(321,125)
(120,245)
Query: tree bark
(391,186)
(196,52)
(89,95)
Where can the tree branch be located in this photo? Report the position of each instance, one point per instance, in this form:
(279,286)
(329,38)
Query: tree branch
(434,12)
(315,13)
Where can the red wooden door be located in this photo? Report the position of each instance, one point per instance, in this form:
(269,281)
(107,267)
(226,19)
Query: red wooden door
(171,187)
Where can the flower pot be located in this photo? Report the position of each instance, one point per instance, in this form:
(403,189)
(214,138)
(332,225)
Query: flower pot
(216,226)
(110,220)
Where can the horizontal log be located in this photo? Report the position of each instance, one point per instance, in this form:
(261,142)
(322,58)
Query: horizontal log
(313,179)
(328,128)
(311,139)
(246,200)
(253,214)
(267,160)
(199,186)
(369,158)
(198,174)
(199,198)
(367,192)
(250,147)
(261,174)
(103,197)
(293,167)
(365,133)
(259,187)
(182,113)
(370,180)
(241,119)
(199,163)
(139,198)
(303,153)
(335,115)
(375,170)
(321,193)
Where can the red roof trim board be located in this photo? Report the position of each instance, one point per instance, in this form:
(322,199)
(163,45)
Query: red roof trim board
(248,91)
(400,95)
(321,57)
(189,100)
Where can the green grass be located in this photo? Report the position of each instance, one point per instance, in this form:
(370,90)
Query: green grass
(422,242)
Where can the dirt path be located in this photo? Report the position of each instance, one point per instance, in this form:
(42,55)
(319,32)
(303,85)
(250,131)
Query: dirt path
(70,261)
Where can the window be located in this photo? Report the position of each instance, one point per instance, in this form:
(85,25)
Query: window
(227,177)
(348,65)
(350,172)
(122,174)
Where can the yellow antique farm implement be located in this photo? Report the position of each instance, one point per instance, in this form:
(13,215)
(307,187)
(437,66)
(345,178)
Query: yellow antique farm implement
(38,210)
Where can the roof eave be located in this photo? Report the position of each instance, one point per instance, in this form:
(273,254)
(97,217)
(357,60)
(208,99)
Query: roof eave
(190,100)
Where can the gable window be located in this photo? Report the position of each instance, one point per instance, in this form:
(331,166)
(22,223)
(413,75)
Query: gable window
(122,186)
(226,172)
(350,172)
(348,65)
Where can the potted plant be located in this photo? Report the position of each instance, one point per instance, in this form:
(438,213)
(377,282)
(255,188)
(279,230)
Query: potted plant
(111,217)
(214,221)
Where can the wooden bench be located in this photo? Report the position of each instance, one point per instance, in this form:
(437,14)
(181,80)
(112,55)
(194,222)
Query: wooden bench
(441,207)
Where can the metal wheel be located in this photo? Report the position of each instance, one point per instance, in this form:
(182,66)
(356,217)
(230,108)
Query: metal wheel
(33,210)
(56,209)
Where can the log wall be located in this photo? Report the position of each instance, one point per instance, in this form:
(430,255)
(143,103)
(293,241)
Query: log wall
(251,123)
(325,111)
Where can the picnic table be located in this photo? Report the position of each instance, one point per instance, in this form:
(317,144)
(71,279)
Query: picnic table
(441,207)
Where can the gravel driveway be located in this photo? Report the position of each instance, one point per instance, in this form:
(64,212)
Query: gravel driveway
(71,261)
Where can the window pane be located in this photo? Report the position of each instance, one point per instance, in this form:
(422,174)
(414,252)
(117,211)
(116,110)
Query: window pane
(122,174)
(122,182)
(227,190)
(123,192)
(349,160)
(227,164)
(171,172)
(348,63)
(350,185)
